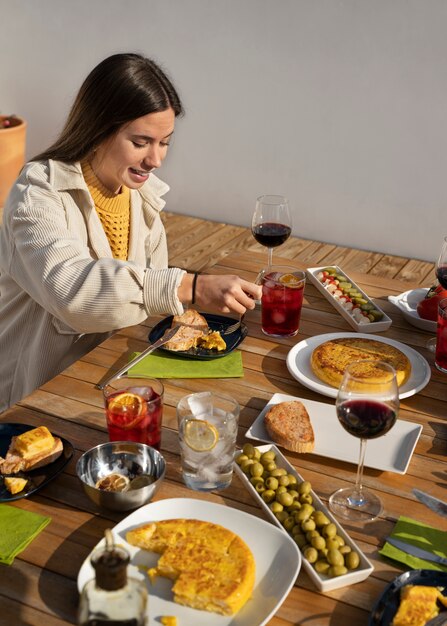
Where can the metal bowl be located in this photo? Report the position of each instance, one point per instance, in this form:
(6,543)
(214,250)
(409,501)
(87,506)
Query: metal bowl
(121,457)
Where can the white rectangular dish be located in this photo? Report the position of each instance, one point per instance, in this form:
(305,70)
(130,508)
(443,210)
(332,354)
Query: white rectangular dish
(364,326)
(390,453)
(322,582)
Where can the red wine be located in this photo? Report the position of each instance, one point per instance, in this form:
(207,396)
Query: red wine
(441,275)
(271,234)
(366,419)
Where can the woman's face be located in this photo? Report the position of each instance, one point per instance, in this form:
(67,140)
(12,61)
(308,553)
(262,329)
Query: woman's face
(128,157)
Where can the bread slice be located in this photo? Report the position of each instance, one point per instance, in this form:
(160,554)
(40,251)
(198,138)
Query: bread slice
(193,327)
(289,425)
(25,458)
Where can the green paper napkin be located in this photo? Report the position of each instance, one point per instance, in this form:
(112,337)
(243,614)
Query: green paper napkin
(420,535)
(167,366)
(17,529)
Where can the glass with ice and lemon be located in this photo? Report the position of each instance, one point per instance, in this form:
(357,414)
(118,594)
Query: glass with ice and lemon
(282,299)
(208,425)
(134,410)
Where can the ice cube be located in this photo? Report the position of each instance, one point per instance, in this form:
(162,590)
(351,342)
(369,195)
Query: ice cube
(201,404)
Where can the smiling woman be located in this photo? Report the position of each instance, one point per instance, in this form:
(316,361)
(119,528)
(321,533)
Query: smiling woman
(83,250)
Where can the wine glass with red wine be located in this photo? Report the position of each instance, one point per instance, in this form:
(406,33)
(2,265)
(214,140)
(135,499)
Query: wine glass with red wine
(272,223)
(441,275)
(367,408)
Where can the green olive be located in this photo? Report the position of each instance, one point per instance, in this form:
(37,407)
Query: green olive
(256,479)
(260,487)
(240,458)
(311,534)
(308,524)
(268,495)
(341,541)
(249,450)
(306,498)
(319,543)
(345,549)
(289,523)
(284,481)
(281,489)
(320,519)
(245,465)
(300,541)
(257,454)
(296,530)
(256,469)
(352,560)
(336,570)
(284,498)
(275,507)
(332,543)
(267,456)
(330,530)
(294,493)
(292,479)
(295,506)
(335,557)
(279,471)
(281,516)
(301,515)
(310,554)
(304,487)
(270,467)
(271,483)
(321,566)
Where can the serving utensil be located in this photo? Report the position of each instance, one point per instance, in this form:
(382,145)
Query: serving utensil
(436,505)
(417,552)
(164,339)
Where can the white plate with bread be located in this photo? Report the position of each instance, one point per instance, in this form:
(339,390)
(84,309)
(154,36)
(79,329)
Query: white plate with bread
(322,582)
(28,463)
(300,366)
(390,453)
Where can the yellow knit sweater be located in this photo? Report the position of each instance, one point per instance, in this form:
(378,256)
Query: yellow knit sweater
(113,210)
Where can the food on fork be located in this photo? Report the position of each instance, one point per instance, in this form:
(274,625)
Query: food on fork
(418,604)
(194,331)
(213,569)
(30,450)
(330,359)
(289,425)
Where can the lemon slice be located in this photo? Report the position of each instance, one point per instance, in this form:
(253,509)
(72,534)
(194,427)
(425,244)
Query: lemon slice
(113,482)
(127,400)
(289,279)
(141,481)
(200,435)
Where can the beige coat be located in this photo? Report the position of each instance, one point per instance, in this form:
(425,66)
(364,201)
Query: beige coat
(61,290)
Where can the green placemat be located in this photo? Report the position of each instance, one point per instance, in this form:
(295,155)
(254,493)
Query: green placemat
(17,529)
(420,535)
(167,366)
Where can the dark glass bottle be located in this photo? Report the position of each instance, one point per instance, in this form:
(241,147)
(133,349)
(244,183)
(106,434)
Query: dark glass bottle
(112,598)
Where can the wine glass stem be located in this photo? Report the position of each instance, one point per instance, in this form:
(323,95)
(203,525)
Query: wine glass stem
(270,258)
(359,478)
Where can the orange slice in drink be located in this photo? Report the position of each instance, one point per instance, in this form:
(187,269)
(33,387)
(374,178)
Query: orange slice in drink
(289,279)
(130,408)
(200,435)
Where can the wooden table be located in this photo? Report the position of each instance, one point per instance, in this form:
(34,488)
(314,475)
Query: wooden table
(40,587)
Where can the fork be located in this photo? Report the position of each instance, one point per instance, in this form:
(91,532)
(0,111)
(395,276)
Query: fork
(230,329)
(439,620)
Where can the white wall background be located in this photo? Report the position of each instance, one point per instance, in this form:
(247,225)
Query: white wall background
(339,104)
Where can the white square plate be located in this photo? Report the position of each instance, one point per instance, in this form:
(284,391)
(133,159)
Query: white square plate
(390,453)
(323,583)
(278,562)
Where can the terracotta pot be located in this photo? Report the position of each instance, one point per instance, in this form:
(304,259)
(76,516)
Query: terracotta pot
(12,153)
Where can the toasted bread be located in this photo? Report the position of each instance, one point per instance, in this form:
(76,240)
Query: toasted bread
(330,359)
(25,453)
(213,569)
(289,425)
(193,327)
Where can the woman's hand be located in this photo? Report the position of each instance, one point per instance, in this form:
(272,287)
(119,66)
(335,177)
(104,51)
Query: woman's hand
(221,293)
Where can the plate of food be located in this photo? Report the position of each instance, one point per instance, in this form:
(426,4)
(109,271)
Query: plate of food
(391,453)
(30,458)
(271,561)
(357,308)
(351,569)
(419,307)
(318,362)
(410,593)
(201,336)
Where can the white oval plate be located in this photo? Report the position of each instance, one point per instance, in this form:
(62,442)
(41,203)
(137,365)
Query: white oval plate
(407,304)
(278,562)
(298,363)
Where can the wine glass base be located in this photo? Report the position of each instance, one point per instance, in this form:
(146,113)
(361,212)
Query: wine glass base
(351,505)
(431,345)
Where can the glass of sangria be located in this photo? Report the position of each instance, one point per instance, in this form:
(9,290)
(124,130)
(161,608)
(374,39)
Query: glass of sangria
(282,300)
(134,409)
(367,408)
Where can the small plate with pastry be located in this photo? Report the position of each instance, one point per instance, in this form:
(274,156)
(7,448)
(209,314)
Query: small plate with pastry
(201,336)
(310,427)
(319,362)
(29,458)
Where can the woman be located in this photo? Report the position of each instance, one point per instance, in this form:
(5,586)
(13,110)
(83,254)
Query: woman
(82,248)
